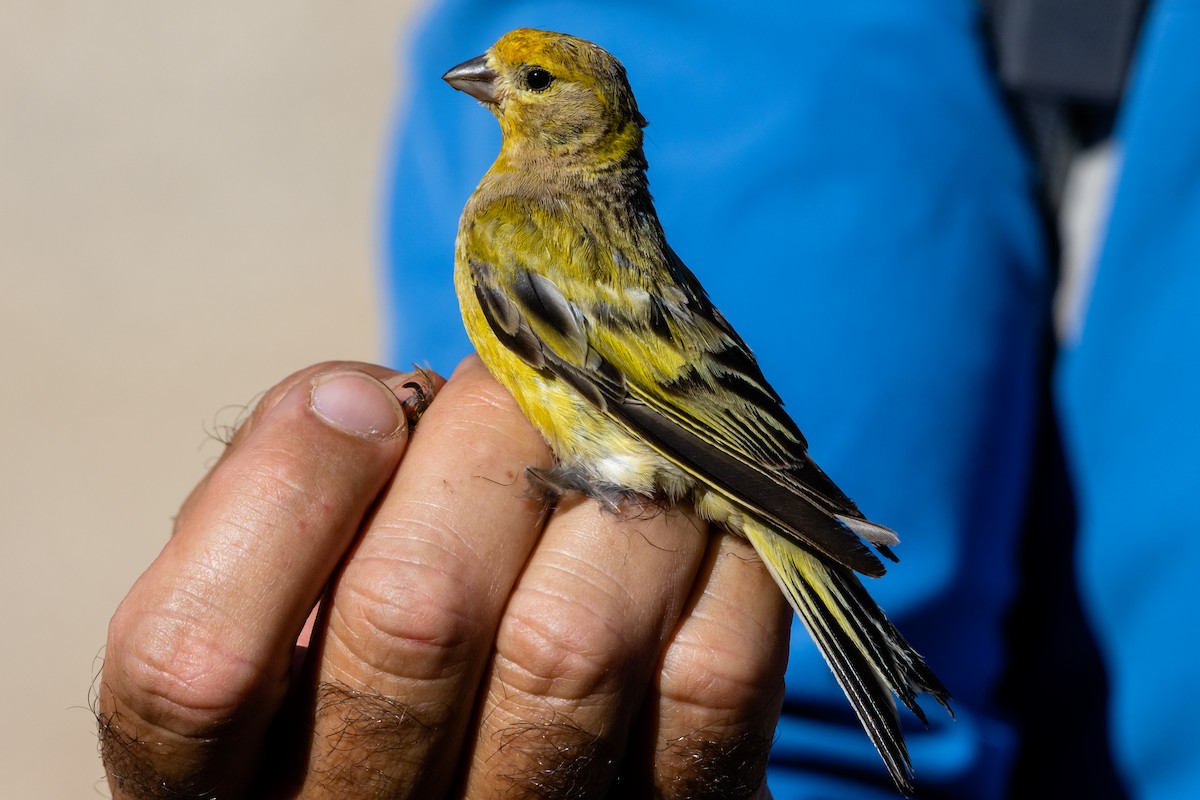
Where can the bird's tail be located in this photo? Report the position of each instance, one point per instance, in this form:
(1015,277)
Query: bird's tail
(869,657)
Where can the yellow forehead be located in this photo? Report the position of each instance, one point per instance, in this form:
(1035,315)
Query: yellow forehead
(568,55)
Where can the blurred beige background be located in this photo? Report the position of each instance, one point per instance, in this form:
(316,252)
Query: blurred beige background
(188,206)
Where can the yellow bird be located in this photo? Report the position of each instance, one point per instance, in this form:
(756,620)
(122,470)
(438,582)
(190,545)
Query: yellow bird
(577,304)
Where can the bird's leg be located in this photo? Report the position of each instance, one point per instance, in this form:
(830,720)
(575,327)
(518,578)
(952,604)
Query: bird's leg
(549,485)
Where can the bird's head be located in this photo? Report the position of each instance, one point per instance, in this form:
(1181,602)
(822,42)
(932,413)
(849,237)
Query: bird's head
(554,94)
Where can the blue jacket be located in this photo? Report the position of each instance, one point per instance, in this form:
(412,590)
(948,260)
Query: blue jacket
(846,180)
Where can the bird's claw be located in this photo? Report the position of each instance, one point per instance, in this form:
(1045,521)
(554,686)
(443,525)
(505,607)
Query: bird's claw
(422,396)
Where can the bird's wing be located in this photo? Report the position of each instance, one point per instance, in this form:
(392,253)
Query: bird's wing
(666,365)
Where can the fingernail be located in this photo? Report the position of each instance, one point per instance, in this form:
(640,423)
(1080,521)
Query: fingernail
(357,404)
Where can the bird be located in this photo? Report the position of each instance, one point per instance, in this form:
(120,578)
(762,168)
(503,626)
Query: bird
(575,302)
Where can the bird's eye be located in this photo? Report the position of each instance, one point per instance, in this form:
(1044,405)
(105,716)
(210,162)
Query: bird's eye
(538,79)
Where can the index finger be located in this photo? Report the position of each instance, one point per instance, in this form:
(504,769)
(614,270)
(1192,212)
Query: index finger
(413,614)
(199,652)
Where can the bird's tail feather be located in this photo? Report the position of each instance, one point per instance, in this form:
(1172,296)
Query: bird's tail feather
(868,656)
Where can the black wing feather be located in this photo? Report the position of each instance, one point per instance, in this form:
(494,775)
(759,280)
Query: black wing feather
(603,385)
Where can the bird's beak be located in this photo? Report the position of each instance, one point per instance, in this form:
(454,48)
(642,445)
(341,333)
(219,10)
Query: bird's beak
(475,78)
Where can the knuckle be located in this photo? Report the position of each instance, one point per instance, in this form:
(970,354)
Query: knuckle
(711,674)
(178,674)
(551,647)
(408,618)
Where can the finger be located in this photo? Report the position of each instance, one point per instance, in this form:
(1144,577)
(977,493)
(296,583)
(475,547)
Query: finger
(710,719)
(272,397)
(198,652)
(577,648)
(413,614)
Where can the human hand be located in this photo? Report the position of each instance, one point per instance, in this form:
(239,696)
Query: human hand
(467,644)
